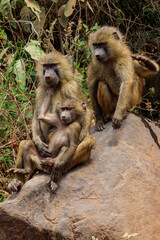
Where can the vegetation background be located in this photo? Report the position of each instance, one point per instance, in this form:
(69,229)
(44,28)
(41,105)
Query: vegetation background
(30,28)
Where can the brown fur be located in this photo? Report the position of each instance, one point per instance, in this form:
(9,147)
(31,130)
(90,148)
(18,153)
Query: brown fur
(67,87)
(116,84)
(63,143)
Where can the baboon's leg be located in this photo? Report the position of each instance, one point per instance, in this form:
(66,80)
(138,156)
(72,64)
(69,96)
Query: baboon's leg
(50,161)
(136,96)
(106,101)
(82,153)
(27,157)
(19,161)
(144,66)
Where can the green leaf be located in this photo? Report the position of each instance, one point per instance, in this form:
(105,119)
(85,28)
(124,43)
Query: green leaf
(85,26)
(6,10)
(3,52)
(34,6)
(62,18)
(33,48)
(19,70)
(26,16)
(38,24)
(125,235)
(69,7)
(28,114)
(85,91)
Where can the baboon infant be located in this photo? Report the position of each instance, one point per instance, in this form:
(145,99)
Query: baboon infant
(63,142)
(115,76)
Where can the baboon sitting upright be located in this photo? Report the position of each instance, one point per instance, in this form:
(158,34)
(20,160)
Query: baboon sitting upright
(115,77)
(55,73)
(63,143)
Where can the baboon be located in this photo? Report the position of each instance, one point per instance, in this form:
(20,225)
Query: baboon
(68,120)
(115,76)
(63,143)
(55,73)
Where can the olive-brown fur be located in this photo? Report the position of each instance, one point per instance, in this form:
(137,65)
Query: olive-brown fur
(66,87)
(116,83)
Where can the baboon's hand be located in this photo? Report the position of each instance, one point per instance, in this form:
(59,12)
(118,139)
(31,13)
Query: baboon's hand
(53,186)
(116,123)
(100,126)
(11,170)
(17,170)
(47,162)
(15,185)
(43,150)
(140,58)
(56,174)
(82,135)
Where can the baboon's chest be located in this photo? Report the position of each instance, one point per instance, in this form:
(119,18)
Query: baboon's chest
(109,76)
(60,138)
(45,127)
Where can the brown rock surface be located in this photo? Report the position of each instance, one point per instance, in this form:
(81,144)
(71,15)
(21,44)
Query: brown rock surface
(116,192)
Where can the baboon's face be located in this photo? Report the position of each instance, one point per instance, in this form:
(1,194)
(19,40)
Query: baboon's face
(51,75)
(101,51)
(104,43)
(67,115)
(70,111)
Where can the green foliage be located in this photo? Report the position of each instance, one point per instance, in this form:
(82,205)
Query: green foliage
(2,197)
(6,11)
(93,238)
(16,92)
(34,6)
(33,48)
(7,161)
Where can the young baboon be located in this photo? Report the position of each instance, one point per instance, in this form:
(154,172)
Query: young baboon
(115,76)
(63,143)
(55,73)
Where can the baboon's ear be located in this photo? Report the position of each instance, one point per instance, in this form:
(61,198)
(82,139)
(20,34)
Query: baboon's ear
(84,105)
(90,36)
(115,34)
(70,59)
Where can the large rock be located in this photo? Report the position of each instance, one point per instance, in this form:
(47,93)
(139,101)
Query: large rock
(116,192)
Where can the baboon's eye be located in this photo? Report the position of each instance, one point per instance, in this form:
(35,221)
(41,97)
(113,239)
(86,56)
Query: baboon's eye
(54,66)
(99,45)
(102,45)
(68,108)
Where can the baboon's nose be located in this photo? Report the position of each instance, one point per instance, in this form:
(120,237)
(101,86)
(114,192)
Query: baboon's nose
(47,78)
(99,57)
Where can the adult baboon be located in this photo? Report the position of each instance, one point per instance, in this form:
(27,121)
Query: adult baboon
(115,77)
(55,73)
